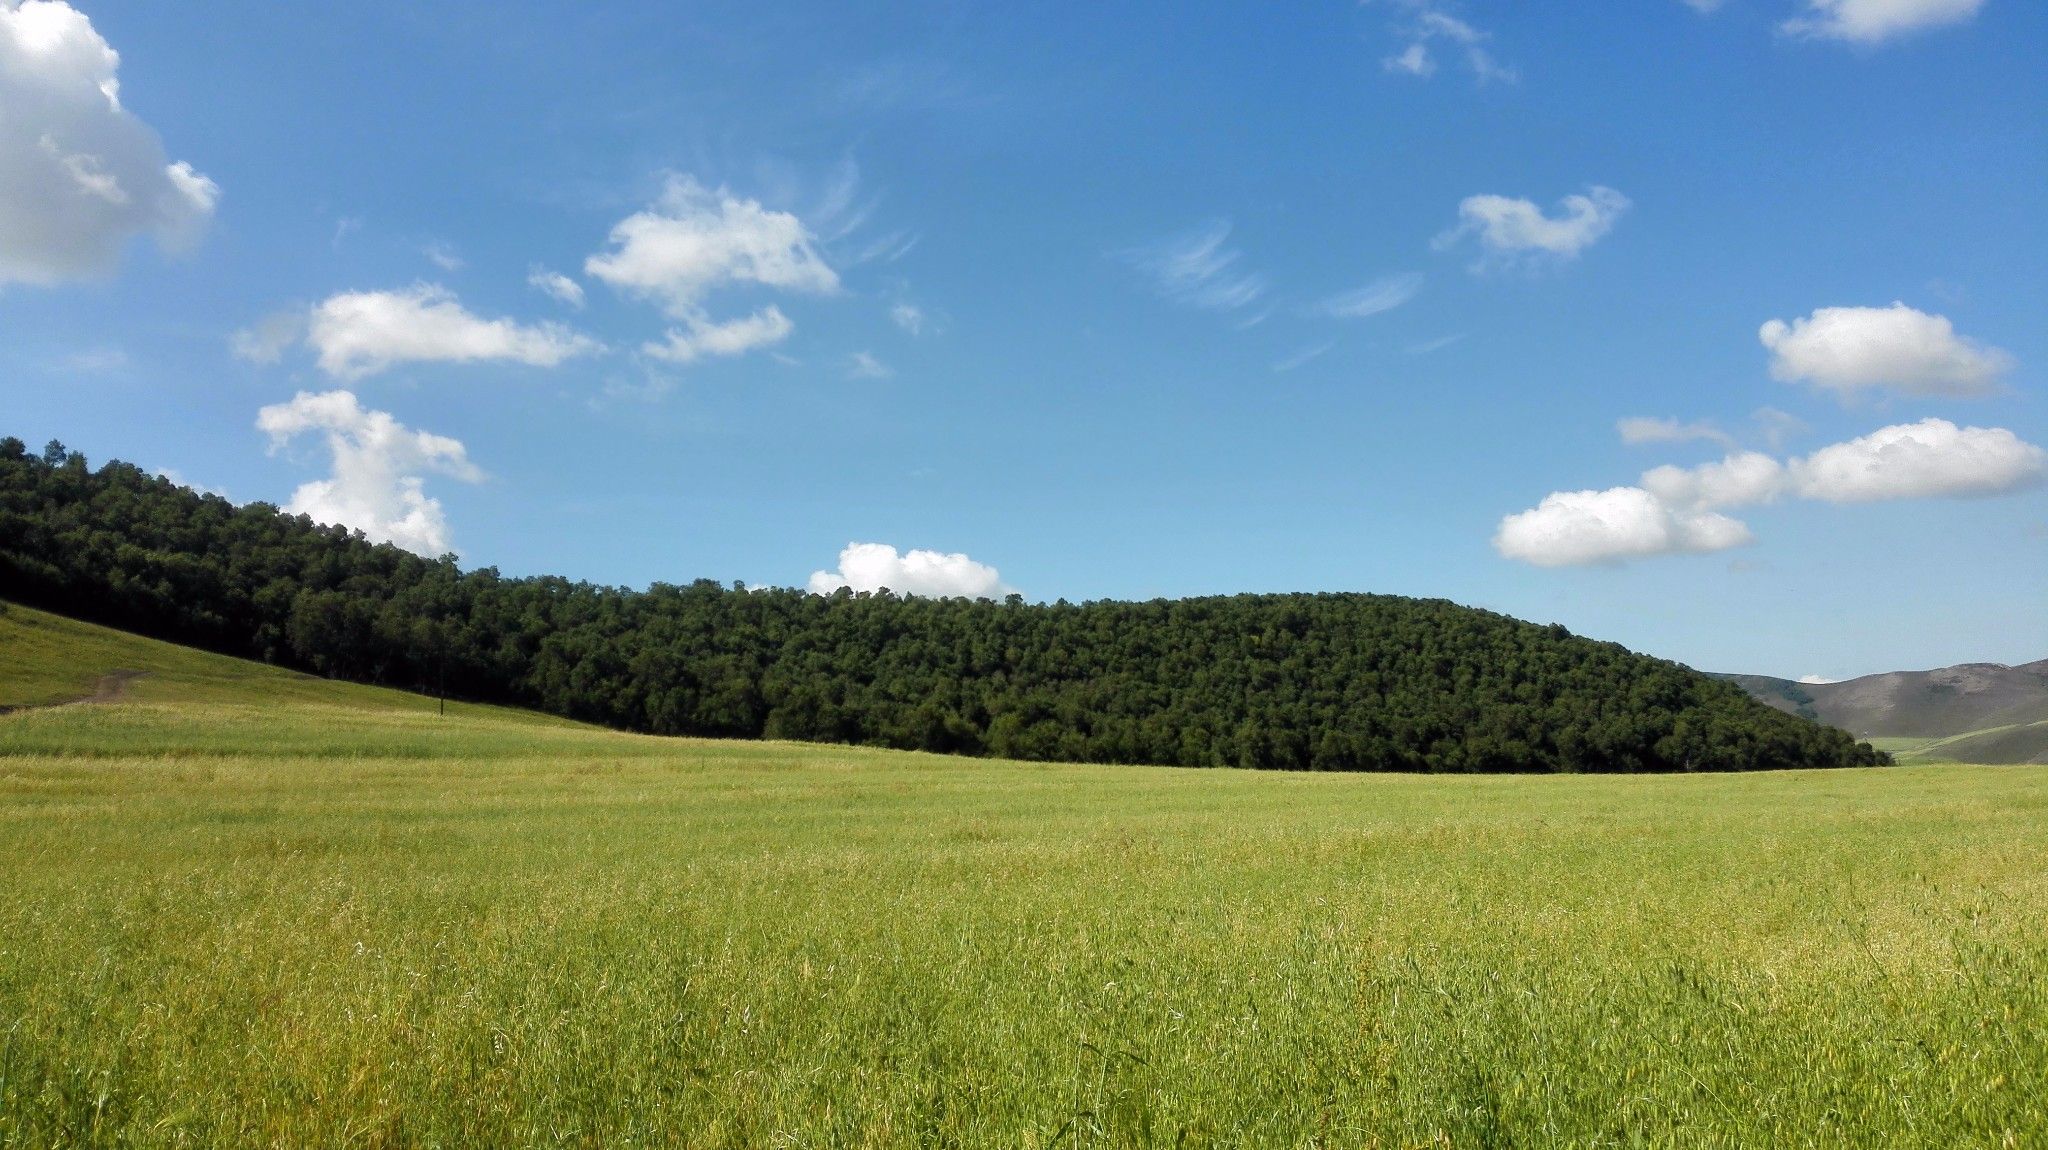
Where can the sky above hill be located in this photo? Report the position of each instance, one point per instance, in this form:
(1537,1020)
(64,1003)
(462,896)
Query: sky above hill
(1711,327)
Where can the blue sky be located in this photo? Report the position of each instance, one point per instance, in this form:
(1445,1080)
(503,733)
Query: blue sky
(1112,300)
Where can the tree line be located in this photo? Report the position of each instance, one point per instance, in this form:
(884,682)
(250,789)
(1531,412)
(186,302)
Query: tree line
(1343,682)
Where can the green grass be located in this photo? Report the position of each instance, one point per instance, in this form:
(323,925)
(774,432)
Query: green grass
(2026,738)
(245,907)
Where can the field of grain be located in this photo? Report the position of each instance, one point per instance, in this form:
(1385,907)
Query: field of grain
(246,907)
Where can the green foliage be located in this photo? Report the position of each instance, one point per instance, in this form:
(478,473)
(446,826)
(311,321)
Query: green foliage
(1301,682)
(251,908)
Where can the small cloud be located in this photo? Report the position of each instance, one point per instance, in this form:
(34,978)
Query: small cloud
(555,285)
(1515,228)
(443,256)
(933,574)
(1870,22)
(1305,355)
(95,361)
(1433,345)
(343,228)
(1488,69)
(1776,426)
(1433,21)
(1639,429)
(862,365)
(695,240)
(1579,528)
(700,337)
(909,317)
(887,249)
(266,341)
(1817,680)
(1383,294)
(1414,60)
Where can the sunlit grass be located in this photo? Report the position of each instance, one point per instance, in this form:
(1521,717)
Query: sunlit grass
(241,915)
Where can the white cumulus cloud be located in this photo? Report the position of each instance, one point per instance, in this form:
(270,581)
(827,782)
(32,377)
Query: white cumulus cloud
(1509,227)
(1875,21)
(1675,508)
(1931,459)
(1898,348)
(695,240)
(379,468)
(909,317)
(1740,480)
(79,174)
(1572,528)
(357,334)
(700,337)
(872,566)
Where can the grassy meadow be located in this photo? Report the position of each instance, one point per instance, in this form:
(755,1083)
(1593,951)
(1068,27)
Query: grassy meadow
(243,906)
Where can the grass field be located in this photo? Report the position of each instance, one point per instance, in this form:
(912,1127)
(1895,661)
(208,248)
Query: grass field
(2025,738)
(247,907)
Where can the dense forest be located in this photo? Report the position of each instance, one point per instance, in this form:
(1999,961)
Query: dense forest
(1340,682)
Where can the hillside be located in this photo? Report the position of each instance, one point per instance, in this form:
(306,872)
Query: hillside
(1972,712)
(249,906)
(1318,682)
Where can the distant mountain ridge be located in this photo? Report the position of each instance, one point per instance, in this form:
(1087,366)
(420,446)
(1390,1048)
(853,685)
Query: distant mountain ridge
(1976,712)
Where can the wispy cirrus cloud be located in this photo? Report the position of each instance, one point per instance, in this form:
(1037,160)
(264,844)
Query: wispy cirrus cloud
(1197,269)
(1381,295)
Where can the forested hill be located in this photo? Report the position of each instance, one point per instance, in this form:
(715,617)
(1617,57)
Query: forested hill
(1325,682)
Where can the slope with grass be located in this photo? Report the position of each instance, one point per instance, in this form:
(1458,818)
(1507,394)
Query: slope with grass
(1334,681)
(1972,712)
(249,907)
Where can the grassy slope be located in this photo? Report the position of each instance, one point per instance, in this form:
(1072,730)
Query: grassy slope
(252,907)
(2015,743)
(1920,717)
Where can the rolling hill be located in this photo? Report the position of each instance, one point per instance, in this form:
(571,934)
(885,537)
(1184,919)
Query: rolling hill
(1327,681)
(1971,712)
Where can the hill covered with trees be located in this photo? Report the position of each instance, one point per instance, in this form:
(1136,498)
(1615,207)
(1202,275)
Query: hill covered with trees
(1309,681)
